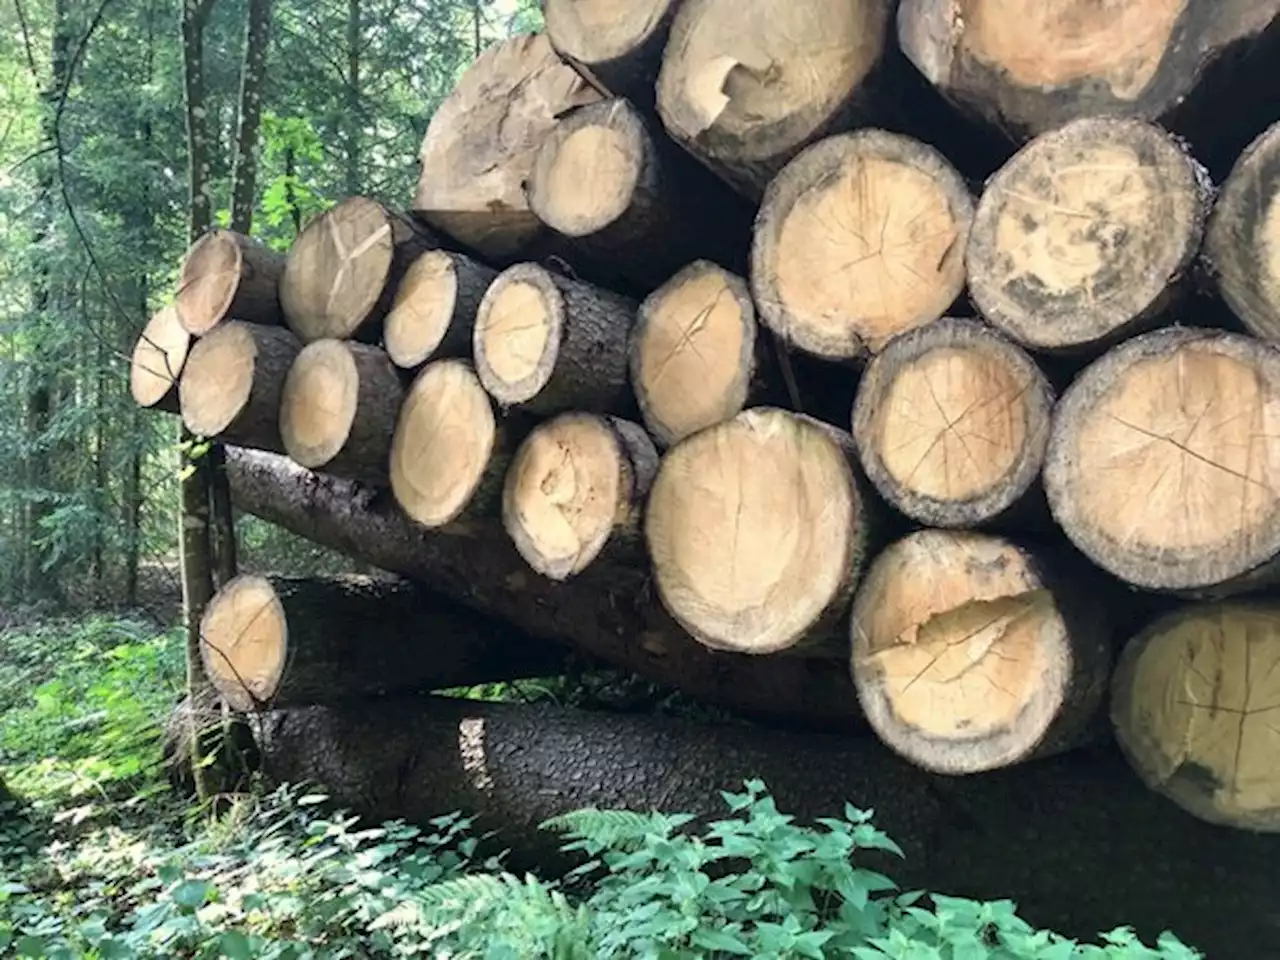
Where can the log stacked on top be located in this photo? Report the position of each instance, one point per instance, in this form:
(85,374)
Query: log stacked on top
(1039,441)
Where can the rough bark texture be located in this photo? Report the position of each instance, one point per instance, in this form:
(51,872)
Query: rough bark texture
(951,423)
(434,311)
(1075,840)
(616,46)
(607,612)
(324,640)
(229,276)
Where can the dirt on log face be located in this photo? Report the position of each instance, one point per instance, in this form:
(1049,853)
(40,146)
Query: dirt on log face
(1076,840)
(272,642)
(608,612)
(226,275)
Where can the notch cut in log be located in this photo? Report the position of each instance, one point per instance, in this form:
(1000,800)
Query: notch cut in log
(951,422)
(626,195)
(1163,464)
(481,142)
(696,357)
(159,355)
(970,652)
(861,237)
(226,275)
(758,530)
(434,311)
(1027,67)
(338,409)
(269,642)
(746,84)
(1086,235)
(344,268)
(616,44)
(1243,239)
(1194,703)
(233,383)
(576,488)
(547,344)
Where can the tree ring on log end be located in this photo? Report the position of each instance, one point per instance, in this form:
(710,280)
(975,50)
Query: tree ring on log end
(158,357)
(337,270)
(1163,464)
(1083,232)
(591,31)
(422,310)
(585,176)
(861,237)
(568,486)
(517,333)
(444,438)
(692,353)
(208,281)
(960,656)
(1194,703)
(754,527)
(318,406)
(244,640)
(218,380)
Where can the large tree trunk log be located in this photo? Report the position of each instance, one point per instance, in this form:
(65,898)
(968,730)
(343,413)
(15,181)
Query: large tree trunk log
(481,142)
(746,84)
(861,237)
(606,611)
(951,422)
(159,355)
(972,652)
(228,276)
(1075,840)
(758,529)
(1087,235)
(233,383)
(1162,461)
(1194,700)
(615,44)
(271,642)
(626,196)
(434,312)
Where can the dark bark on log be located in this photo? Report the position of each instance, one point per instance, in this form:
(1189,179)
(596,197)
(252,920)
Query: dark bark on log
(608,612)
(1075,840)
(617,48)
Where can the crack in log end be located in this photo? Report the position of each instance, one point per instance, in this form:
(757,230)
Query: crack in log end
(158,359)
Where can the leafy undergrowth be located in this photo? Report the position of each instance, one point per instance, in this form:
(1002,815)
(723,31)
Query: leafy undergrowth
(103,863)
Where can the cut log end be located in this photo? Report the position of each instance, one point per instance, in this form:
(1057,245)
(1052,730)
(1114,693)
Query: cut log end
(756,532)
(960,654)
(693,352)
(574,483)
(158,359)
(208,281)
(518,333)
(218,381)
(1180,495)
(594,32)
(1194,701)
(860,238)
(1080,238)
(321,393)
(444,439)
(951,422)
(244,639)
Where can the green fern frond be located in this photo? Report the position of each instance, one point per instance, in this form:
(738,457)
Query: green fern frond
(615,828)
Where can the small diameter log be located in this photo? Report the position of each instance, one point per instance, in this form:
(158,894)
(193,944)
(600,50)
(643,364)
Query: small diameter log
(269,642)
(970,653)
(624,194)
(696,355)
(616,44)
(746,84)
(1163,464)
(226,275)
(758,531)
(1193,703)
(158,358)
(951,423)
(338,409)
(1086,235)
(233,382)
(1242,244)
(576,489)
(434,311)
(1026,66)
(481,142)
(450,453)
(344,268)
(861,237)
(549,344)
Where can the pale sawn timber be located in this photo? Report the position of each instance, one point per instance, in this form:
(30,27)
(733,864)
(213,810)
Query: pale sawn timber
(227,275)
(434,311)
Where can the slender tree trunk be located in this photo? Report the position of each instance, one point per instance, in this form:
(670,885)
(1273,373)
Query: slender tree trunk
(244,176)
(353,100)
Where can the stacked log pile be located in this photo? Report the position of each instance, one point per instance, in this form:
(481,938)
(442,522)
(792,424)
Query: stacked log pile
(698,351)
